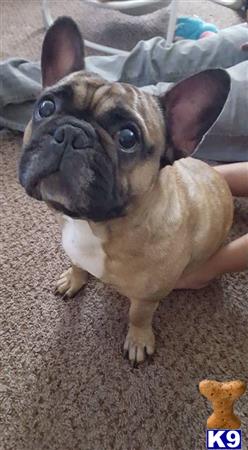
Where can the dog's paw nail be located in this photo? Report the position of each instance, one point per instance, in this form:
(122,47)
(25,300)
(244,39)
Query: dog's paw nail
(134,364)
(125,354)
(149,350)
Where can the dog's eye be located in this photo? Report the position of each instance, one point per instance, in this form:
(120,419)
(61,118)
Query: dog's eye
(46,108)
(127,139)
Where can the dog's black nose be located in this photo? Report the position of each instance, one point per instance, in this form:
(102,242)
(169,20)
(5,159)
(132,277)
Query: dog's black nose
(77,137)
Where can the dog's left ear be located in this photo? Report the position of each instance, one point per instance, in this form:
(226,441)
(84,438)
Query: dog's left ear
(191,107)
(62,51)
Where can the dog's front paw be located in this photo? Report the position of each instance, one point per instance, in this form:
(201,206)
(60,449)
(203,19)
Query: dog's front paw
(139,343)
(71,281)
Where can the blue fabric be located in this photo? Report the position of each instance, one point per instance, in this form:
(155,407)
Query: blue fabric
(193,27)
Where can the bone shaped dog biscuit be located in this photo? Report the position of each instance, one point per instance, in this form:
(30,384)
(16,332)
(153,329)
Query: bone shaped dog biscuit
(222,396)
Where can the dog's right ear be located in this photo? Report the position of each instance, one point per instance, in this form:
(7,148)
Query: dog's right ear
(62,51)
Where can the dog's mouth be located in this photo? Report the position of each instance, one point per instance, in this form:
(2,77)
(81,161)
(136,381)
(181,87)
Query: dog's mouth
(84,215)
(61,198)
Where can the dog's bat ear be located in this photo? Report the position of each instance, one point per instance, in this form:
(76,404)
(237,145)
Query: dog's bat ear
(62,51)
(191,107)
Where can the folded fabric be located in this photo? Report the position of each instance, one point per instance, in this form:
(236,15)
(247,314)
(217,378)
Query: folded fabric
(21,84)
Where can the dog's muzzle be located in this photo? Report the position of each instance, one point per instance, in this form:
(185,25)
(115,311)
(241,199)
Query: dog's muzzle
(50,149)
(65,165)
(44,156)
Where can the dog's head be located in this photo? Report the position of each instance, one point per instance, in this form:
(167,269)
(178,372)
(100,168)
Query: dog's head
(93,147)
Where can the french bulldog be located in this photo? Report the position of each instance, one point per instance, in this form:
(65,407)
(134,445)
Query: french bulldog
(114,162)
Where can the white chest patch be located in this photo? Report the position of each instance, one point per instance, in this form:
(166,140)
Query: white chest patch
(83,247)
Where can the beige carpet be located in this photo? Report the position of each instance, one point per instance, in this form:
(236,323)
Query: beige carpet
(63,382)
